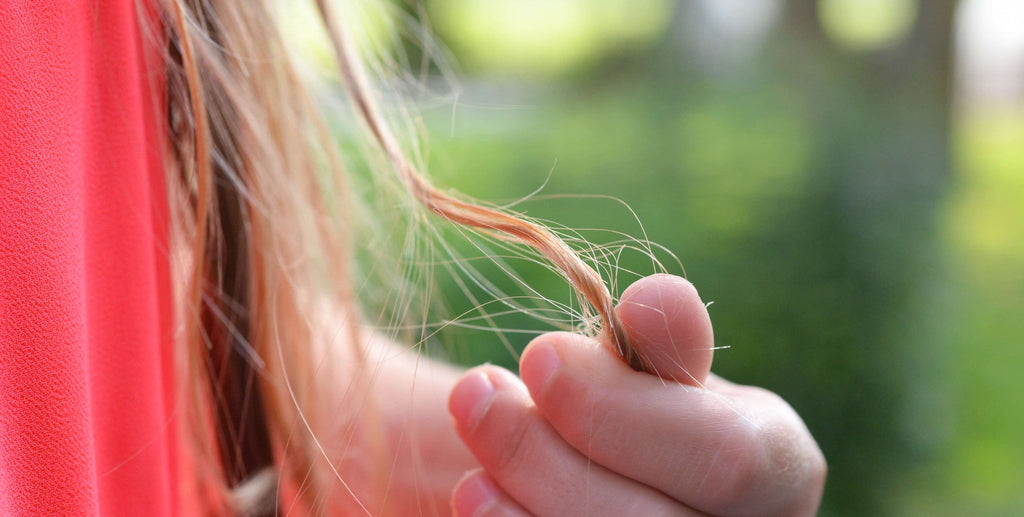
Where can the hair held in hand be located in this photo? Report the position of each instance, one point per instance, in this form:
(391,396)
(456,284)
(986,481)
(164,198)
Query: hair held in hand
(581,275)
(252,172)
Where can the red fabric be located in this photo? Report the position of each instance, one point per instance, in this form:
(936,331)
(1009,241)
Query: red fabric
(87,393)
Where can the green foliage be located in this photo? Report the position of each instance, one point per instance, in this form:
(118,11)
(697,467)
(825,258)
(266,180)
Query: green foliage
(863,255)
(546,38)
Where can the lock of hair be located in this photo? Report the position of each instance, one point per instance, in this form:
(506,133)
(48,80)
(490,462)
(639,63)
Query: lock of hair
(584,278)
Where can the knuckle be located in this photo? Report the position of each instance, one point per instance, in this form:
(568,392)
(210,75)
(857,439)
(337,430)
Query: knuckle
(736,466)
(745,466)
(797,465)
(773,463)
(791,449)
(818,469)
(812,468)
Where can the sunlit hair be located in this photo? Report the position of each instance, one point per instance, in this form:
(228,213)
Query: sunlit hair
(262,241)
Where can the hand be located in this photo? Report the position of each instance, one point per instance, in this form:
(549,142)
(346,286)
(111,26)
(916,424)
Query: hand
(586,435)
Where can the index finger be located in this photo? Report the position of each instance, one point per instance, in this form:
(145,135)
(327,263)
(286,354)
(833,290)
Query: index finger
(741,453)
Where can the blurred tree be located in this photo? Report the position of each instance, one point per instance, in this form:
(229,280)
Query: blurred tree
(800,184)
(844,264)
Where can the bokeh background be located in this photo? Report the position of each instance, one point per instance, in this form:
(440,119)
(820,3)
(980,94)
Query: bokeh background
(844,179)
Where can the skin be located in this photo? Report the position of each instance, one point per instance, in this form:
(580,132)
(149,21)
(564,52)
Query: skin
(582,434)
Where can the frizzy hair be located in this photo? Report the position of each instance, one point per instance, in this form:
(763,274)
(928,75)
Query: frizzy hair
(260,212)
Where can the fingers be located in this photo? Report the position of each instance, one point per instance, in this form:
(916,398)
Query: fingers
(668,324)
(605,440)
(745,453)
(531,463)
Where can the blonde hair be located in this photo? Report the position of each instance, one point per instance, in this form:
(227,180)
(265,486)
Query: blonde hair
(262,222)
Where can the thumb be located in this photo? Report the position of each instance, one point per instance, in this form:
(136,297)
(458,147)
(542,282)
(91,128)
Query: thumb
(668,325)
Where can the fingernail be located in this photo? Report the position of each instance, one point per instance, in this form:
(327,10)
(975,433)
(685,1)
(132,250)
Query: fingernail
(474,495)
(470,398)
(542,364)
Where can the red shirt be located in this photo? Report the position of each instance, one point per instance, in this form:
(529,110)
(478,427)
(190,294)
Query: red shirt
(87,390)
